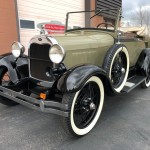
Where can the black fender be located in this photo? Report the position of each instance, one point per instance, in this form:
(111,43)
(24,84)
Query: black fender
(74,79)
(143,63)
(9,61)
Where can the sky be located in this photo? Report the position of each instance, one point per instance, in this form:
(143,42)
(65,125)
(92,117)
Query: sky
(131,5)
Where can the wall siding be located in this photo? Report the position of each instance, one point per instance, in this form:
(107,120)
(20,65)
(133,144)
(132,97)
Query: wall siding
(45,11)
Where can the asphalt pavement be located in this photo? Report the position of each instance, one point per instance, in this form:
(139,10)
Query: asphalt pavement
(124,125)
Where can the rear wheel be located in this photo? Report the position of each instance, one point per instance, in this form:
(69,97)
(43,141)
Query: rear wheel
(146,83)
(5,81)
(116,64)
(85,107)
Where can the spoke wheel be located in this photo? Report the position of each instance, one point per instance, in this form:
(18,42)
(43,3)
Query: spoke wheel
(116,64)
(118,70)
(85,107)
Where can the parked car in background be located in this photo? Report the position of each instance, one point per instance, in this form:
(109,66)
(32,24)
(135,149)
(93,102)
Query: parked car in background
(68,74)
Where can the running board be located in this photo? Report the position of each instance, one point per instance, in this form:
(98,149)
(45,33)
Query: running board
(132,83)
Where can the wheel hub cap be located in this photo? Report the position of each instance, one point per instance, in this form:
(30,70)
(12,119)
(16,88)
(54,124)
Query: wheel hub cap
(123,70)
(92,106)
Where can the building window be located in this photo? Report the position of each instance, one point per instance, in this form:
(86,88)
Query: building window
(27,24)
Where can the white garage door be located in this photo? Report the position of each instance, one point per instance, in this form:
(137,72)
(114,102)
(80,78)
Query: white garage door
(32,12)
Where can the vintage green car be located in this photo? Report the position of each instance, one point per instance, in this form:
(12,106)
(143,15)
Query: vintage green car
(68,74)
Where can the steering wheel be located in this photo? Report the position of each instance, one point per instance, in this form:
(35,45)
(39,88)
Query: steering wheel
(106,25)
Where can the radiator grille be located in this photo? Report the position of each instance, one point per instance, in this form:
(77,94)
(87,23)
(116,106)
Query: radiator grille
(39,61)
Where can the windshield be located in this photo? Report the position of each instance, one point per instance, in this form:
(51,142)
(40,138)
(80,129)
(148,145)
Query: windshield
(105,19)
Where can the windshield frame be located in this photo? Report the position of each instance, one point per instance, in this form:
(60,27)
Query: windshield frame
(97,12)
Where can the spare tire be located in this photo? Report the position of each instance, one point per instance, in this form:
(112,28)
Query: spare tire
(116,65)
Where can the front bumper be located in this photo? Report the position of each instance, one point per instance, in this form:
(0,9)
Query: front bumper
(36,104)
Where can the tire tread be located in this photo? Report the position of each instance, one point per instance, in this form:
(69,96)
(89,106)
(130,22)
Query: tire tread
(67,99)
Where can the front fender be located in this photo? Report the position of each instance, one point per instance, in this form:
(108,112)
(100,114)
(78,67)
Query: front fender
(8,61)
(74,79)
(143,62)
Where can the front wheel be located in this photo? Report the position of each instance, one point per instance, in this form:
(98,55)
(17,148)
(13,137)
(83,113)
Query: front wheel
(5,81)
(85,107)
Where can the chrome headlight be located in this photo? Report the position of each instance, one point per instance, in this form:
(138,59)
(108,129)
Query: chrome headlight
(17,49)
(56,53)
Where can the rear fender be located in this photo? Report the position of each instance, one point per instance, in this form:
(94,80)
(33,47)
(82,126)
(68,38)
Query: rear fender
(143,62)
(74,79)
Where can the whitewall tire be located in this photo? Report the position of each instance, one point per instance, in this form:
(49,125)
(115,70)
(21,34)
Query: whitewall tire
(93,104)
(146,83)
(113,68)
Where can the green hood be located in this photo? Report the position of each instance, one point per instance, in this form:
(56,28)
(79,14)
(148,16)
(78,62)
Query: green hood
(84,40)
(88,47)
